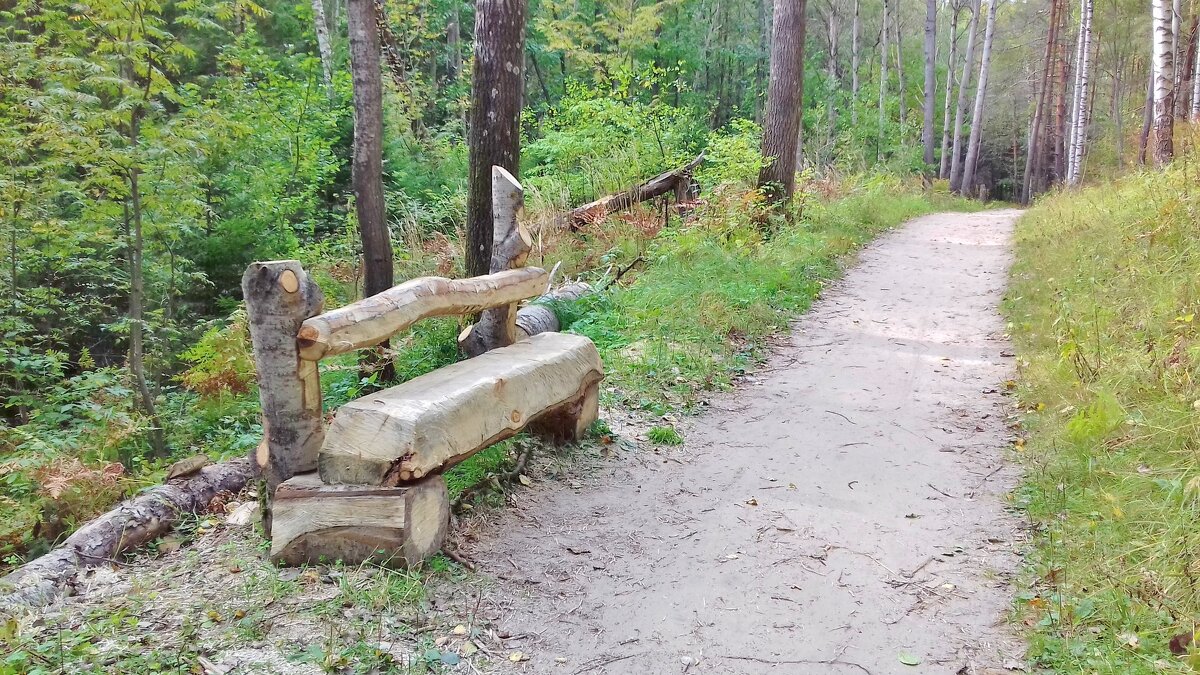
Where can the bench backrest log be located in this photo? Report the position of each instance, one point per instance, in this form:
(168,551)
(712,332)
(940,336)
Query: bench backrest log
(290,334)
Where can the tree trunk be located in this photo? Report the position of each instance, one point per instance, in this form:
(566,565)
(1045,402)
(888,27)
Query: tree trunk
(930,80)
(1194,115)
(323,45)
(1033,148)
(1164,83)
(855,49)
(1082,109)
(134,522)
(834,81)
(900,73)
(968,179)
(367,164)
(137,296)
(1147,114)
(961,107)
(944,160)
(494,136)
(883,79)
(279,298)
(785,96)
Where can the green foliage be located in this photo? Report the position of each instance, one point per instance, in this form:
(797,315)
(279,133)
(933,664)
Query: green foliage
(664,436)
(1103,304)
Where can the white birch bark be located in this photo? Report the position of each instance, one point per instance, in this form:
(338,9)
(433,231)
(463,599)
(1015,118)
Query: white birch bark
(323,46)
(1164,82)
(944,161)
(960,109)
(968,178)
(1080,105)
(883,78)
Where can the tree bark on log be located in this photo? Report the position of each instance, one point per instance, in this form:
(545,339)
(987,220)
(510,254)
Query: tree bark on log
(279,297)
(135,522)
(661,184)
(375,319)
(392,526)
(532,319)
(437,420)
(511,245)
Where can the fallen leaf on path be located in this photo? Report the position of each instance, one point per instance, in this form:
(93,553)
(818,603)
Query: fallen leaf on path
(525,480)
(909,660)
(517,657)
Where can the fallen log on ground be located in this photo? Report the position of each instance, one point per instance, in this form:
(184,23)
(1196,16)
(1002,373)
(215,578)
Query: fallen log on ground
(676,181)
(134,522)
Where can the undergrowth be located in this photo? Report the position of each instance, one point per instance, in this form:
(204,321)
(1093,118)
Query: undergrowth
(1103,306)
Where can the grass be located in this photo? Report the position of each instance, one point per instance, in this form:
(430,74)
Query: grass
(1103,307)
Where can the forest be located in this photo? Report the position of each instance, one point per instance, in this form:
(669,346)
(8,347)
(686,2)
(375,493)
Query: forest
(155,148)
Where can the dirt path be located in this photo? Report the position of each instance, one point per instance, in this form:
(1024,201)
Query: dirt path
(841,514)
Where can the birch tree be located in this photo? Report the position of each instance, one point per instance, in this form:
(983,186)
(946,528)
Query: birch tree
(944,160)
(985,60)
(324,49)
(961,106)
(1080,105)
(1164,83)
(930,79)
(1194,114)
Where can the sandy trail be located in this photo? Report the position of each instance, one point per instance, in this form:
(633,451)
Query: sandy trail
(841,514)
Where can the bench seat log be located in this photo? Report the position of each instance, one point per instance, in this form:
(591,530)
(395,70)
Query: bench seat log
(377,318)
(548,382)
(394,526)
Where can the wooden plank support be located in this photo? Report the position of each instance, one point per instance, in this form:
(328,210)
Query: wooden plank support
(435,421)
(375,319)
(511,245)
(279,297)
(392,526)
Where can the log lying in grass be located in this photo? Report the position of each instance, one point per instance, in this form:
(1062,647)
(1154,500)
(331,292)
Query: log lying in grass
(436,420)
(532,319)
(675,181)
(375,319)
(135,522)
(393,526)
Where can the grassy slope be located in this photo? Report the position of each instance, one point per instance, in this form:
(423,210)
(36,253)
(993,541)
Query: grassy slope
(1103,306)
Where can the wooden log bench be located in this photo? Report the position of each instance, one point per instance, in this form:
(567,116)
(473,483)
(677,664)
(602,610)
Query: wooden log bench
(370,487)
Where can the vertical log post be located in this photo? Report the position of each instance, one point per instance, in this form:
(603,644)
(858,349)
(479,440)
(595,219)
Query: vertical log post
(511,245)
(279,297)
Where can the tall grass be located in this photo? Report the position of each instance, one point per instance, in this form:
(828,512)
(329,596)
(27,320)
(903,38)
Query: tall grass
(1103,306)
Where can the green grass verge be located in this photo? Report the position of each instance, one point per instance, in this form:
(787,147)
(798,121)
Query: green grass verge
(1103,306)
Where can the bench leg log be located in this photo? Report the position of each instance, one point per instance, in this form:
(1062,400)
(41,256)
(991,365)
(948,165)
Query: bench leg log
(569,422)
(392,526)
